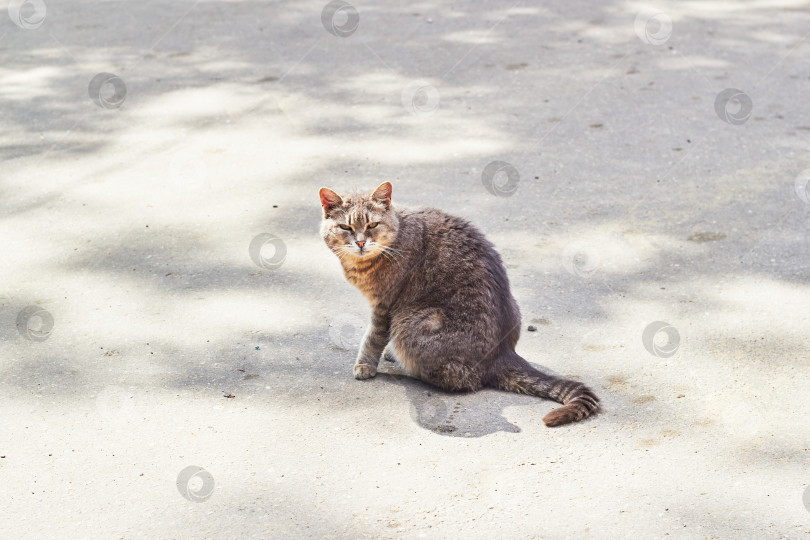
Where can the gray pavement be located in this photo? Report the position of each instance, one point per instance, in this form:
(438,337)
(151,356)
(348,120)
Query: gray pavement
(177,344)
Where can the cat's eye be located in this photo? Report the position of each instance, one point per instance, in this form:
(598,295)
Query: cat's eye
(371,225)
(344,227)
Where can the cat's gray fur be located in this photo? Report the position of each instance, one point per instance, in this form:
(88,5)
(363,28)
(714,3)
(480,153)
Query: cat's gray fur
(440,300)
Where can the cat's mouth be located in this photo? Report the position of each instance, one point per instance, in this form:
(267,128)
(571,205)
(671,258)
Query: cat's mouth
(366,250)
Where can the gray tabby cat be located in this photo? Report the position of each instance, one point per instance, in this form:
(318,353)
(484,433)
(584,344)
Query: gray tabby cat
(440,300)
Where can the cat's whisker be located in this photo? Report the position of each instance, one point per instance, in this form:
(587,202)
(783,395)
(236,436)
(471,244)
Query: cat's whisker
(392,255)
(386,246)
(389,256)
(391,252)
(340,251)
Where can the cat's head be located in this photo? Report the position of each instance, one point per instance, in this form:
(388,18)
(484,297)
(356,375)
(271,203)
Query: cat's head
(357,225)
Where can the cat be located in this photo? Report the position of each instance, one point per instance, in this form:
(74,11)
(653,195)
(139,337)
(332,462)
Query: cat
(440,299)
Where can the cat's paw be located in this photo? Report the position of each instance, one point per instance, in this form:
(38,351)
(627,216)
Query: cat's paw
(364,371)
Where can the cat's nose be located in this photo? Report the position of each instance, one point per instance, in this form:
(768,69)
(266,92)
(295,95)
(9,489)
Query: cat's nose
(361,243)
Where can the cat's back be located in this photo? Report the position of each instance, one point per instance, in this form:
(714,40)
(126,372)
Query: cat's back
(460,273)
(451,243)
(439,226)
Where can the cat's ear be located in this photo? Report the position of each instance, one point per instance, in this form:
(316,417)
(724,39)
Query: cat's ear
(383,194)
(329,200)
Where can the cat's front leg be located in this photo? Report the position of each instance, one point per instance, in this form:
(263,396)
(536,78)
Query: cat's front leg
(374,342)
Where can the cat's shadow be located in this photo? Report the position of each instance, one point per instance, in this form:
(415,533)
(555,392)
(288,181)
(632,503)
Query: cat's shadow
(452,414)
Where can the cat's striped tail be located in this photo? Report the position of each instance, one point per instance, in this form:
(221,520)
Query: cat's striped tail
(579,401)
